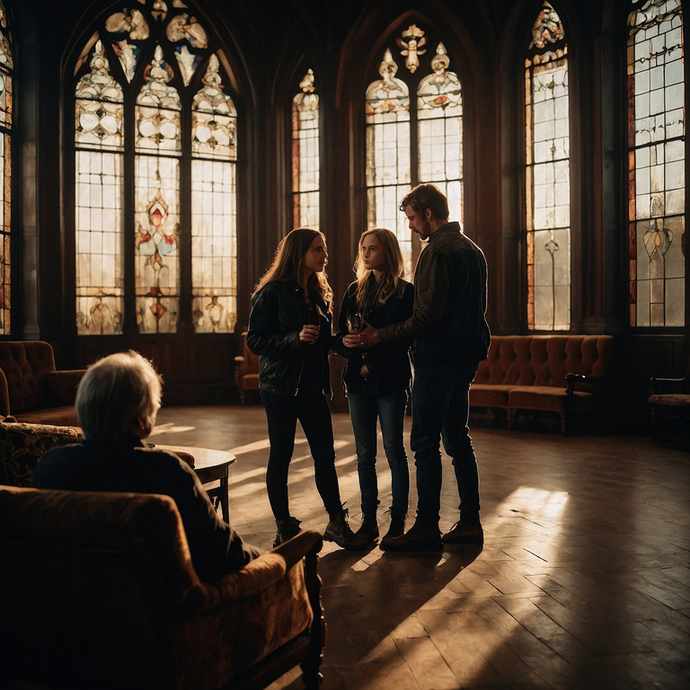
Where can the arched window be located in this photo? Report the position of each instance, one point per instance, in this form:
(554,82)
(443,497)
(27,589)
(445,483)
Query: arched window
(6,95)
(412,142)
(155,190)
(305,155)
(547,118)
(656,160)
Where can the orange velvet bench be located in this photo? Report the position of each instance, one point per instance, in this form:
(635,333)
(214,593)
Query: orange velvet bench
(552,373)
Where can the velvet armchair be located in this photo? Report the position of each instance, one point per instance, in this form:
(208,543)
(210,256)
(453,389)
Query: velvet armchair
(97,590)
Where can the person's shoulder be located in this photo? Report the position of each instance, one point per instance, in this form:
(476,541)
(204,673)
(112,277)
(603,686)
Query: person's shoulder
(57,464)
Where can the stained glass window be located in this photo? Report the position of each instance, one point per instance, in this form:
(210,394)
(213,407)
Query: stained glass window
(146,180)
(548,175)
(656,164)
(6,107)
(405,145)
(305,155)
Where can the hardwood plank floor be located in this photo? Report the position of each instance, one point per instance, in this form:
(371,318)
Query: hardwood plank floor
(583,580)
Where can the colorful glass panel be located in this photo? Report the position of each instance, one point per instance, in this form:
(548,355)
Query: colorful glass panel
(656,133)
(158,109)
(214,118)
(6,94)
(127,31)
(98,240)
(439,113)
(305,155)
(214,246)
(156,240)
(99,106)
(388,178)
(548,176)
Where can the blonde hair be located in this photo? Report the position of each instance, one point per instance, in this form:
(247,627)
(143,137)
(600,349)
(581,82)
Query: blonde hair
(288,262)
(114,393)
(391,284)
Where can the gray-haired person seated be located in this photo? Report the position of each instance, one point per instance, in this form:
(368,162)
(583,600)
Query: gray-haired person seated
(117,402)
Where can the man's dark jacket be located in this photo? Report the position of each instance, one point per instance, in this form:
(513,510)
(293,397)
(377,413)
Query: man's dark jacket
(448,318)
(128,466)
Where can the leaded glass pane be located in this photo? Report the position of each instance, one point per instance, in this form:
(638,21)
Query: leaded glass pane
(127,31)
(305,155)
(656,128)
(214,118)
(157,222)
(98,240)
(185,32)
(214,247)
(439,110)
(158,109)
(99,106)
(548,176)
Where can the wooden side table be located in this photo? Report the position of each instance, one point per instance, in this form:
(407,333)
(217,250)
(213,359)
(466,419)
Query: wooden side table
(210,465)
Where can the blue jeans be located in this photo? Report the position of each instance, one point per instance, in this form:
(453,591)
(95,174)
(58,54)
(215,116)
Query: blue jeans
(440,409)
(390,410)
(314,415)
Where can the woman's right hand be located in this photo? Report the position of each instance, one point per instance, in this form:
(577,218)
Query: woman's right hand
(309,333)
(351,340)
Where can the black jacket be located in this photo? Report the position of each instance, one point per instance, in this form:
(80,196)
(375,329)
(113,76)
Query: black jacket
(388,363)
(127,465)
(279,311)
(450,286)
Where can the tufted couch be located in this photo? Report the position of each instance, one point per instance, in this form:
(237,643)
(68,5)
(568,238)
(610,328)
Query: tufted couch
(554,373)
(31,389)
(97,590)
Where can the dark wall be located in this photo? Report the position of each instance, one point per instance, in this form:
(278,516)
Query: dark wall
(270,46)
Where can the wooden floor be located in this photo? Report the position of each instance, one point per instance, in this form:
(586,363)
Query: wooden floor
(583,580)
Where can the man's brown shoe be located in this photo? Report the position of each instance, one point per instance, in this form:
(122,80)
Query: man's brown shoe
(422,536)
(464,533)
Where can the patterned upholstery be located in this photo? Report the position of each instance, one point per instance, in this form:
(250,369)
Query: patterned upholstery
(98,590)
(23,445)
(531,372)
(31,389)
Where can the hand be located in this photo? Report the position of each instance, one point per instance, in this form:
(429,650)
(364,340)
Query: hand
(369,336)
(309,333)
(351,340)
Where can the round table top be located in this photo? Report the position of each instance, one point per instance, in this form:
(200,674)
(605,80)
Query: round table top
(204,458)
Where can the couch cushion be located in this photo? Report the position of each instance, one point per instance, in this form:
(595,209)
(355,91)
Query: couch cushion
(671,399)
(489,395)
(548,398)
(54,416)
(22,445)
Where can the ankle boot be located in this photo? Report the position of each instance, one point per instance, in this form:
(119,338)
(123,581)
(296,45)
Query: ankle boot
(369,529)
(287,529)
(338,530)
(424,535)
(396,528)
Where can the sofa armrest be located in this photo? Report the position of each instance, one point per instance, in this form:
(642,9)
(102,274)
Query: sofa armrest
(659,386)
(581,382)
(240,365)
(264,571)
(62,385)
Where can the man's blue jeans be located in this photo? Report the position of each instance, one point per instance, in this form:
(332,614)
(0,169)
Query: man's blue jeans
(314,415)
(440,409)
(390,411)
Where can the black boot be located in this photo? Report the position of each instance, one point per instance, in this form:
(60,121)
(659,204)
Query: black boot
(369,529)
(287,529)
(338,530)
(396,528)
(423,536)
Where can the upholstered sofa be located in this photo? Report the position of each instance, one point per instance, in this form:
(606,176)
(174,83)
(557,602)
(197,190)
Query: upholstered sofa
(553,373)
(97,590)
(32,389)
(246,370)
(669,408)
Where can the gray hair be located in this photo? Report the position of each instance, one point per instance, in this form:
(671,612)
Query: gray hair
(114,392)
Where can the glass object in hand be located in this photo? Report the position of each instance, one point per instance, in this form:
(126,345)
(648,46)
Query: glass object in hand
(355,322)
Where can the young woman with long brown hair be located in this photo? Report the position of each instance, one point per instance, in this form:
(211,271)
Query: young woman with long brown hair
(290,330)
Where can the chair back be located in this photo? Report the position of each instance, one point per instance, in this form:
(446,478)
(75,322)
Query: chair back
(25,365)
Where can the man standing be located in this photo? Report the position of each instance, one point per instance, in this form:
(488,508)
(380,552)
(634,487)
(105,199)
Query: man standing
(448,321)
